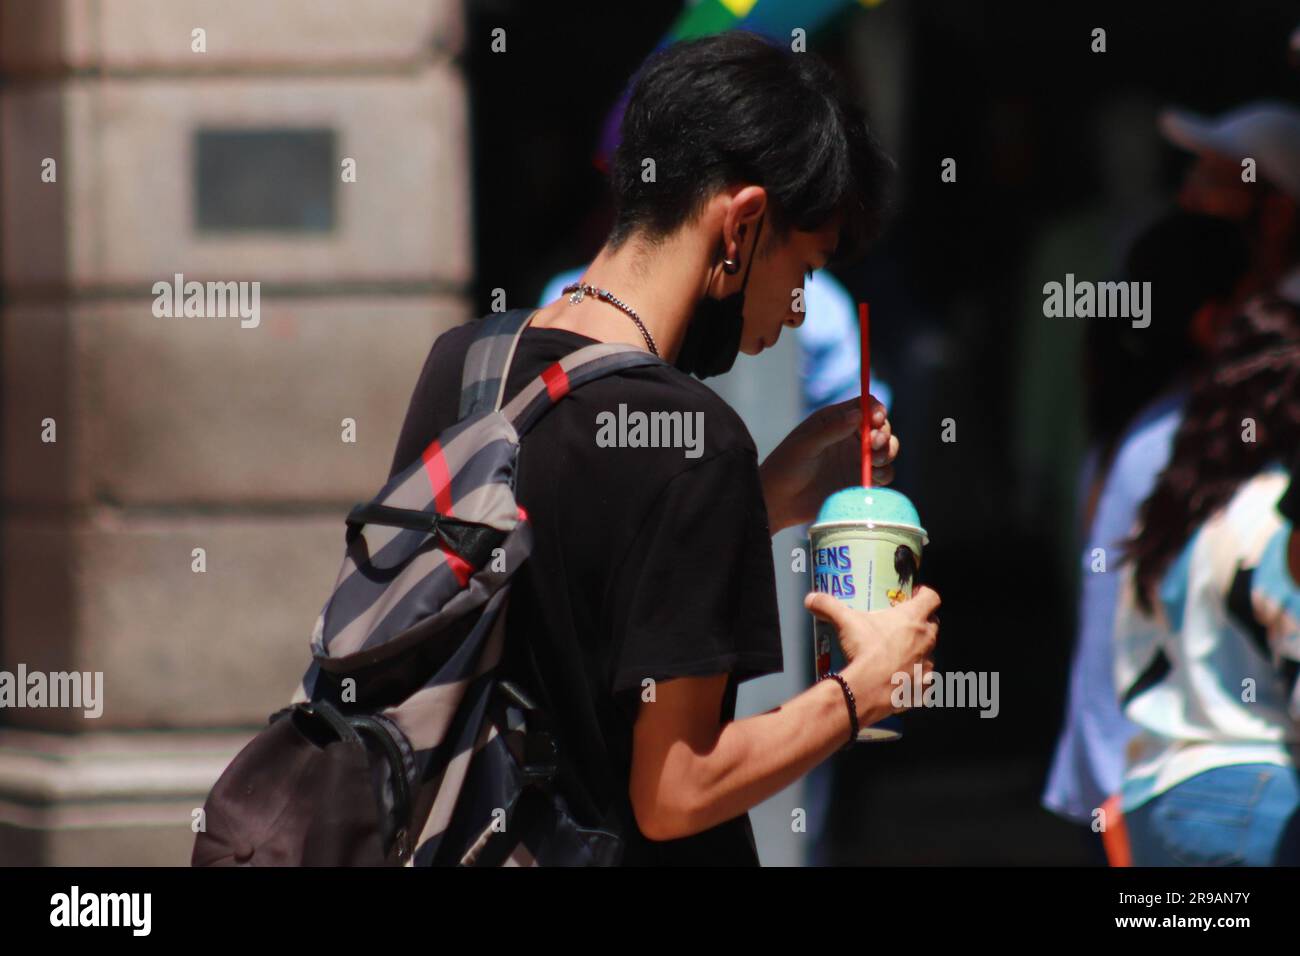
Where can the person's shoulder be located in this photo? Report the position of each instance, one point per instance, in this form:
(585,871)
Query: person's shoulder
(457,338)
(448,350)
(1237,532)
(1256,498)
(1143,449)
(1152,427)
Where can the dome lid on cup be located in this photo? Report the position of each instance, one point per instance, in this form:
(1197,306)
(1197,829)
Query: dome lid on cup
(879,506)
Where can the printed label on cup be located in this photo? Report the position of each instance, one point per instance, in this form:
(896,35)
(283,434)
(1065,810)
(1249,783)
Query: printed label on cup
(870,567)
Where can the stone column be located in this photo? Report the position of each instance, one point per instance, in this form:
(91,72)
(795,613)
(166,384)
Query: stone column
(174,488)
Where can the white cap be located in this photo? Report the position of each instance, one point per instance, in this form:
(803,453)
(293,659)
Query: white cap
(1267,131)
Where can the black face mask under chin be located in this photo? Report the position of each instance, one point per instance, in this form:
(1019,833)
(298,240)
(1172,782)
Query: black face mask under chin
(712,339)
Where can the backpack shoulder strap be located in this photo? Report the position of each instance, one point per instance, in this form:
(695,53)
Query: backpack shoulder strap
(561,377)
(488,359)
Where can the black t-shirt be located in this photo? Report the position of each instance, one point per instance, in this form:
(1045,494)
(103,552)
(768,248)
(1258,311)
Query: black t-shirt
(646,563)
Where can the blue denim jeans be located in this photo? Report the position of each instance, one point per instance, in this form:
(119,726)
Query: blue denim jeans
(1239,815)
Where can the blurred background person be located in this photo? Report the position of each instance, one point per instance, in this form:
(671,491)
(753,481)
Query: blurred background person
(1233,240)
(1206,651)
(1136,382)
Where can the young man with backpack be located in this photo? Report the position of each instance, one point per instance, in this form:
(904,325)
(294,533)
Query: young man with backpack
(532,651)
(650,592)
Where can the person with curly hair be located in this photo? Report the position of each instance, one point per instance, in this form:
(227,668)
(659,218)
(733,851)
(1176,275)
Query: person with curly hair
(1207,635)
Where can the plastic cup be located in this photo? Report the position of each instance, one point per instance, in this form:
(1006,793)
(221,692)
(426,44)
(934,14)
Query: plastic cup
(866,548)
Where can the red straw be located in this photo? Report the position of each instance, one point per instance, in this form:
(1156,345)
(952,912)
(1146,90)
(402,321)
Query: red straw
(864,320)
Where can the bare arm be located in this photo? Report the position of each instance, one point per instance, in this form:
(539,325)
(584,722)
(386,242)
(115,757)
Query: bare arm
(690,773)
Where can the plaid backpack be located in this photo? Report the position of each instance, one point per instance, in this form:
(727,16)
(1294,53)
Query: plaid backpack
(403,744)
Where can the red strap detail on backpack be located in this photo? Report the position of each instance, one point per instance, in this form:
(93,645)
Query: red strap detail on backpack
(459,566)
(557,381)
(435,466)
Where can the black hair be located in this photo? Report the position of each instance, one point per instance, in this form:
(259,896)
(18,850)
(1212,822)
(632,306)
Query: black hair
(735,108)
(1256,375)
(904,564)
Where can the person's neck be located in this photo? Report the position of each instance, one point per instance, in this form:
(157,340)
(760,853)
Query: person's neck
(662,283)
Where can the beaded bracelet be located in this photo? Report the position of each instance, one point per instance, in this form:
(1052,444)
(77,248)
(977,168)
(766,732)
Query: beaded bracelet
(853,707)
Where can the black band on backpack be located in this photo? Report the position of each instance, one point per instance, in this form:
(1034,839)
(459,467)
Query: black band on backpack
(471,541)
(324,710)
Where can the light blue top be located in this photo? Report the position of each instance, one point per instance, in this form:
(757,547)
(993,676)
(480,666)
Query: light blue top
(1207,675)
(830,360)
(1089,761)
